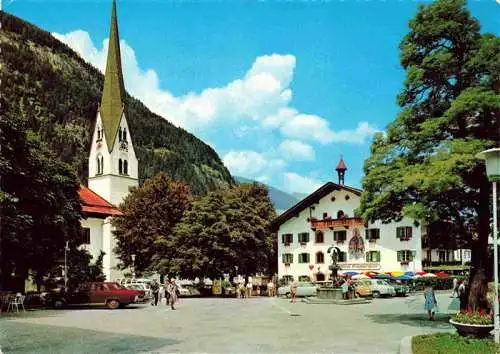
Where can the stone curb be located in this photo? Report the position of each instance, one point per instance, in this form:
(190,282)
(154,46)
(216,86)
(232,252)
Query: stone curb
(405,345)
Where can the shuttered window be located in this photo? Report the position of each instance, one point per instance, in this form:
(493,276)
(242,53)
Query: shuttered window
(304,258)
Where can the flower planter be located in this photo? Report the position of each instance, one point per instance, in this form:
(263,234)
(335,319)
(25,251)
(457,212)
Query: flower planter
(472,330)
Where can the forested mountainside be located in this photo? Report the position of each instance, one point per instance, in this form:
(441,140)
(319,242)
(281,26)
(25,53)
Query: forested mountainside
(58,93)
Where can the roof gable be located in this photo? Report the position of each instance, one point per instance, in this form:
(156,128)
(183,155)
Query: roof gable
(92,203)
(312,198)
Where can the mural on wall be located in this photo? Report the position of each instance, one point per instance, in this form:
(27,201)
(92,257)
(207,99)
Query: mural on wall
(357,245)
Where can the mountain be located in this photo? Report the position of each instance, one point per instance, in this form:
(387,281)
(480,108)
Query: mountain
(58,93)
(299,196)
(281,200)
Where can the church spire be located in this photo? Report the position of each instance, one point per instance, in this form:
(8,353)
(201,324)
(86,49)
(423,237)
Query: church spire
(113,93)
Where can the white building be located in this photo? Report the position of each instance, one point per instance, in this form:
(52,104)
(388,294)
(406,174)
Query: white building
(326,218)
(113,166)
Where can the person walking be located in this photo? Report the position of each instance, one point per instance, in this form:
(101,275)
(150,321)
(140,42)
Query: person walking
(462,289)
(430,301)
(172,291)
(293,290)
(270,289)
(161,294)
(155,288)
(455,288)
(249,289)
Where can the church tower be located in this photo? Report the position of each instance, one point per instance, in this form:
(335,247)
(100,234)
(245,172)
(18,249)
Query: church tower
(113,166)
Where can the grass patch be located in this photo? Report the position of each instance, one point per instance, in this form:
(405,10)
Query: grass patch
(450,343)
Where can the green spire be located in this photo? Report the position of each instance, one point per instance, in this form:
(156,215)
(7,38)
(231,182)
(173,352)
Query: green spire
(113,93)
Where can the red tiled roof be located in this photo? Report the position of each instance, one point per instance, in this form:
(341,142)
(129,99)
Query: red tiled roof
(93,203)
(341,165)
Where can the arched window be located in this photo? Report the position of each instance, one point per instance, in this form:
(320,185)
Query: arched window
(124,134)
(320,258)
(99,161)
(120,166)
(102,165)
(120,134)
(125,167)
(340,214)
(98,133)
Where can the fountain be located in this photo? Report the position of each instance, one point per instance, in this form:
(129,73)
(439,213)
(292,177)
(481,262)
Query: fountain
(332,294)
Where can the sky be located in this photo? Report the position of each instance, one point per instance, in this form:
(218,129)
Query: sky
(280,89)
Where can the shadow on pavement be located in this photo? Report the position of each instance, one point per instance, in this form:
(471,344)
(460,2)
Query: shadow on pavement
(415,320)
(32,338)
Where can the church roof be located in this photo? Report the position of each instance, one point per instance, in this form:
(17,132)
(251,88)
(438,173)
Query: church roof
(93,203)
(311,199)
(113,93)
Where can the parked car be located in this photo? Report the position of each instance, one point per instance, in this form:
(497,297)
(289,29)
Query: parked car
(148,294)
(401,289)
(193,291)
(379,287)
(109,294)
(362,289)
(303,289)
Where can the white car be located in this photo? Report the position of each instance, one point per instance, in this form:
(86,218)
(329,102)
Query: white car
(141,286)
(379,287)
(303,289)
(183,291)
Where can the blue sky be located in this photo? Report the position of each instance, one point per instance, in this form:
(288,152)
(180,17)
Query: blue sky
(279,89)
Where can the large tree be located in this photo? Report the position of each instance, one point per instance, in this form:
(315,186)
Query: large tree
(425,165)
(39,201)
(225,229)
(149,215)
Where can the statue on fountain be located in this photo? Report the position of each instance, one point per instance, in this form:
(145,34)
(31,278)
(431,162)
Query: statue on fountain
(334,267)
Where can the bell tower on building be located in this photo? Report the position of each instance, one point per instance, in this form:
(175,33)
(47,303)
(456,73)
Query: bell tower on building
(113,165)
(341,168)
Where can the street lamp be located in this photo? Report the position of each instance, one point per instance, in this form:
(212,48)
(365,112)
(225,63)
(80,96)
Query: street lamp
(133,266)
(492,160)
(66,249)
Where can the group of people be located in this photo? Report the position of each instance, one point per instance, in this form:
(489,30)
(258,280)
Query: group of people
(245,291)
(168,291)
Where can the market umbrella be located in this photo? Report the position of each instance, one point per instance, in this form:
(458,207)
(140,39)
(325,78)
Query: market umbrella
(350,274)
(442,274)
(421,273)
(396,274)
(360,276)
(382,276)
(404,277)
(410,274)
(429,275)
(371,274)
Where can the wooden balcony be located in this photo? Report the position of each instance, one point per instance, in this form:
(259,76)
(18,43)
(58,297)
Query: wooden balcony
(336,223)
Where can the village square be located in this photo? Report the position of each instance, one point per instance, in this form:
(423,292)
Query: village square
(123,231)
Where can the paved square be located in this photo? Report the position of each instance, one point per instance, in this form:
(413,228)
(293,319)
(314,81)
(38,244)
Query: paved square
(212,325)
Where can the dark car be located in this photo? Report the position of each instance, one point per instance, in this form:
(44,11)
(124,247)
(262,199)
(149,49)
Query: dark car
(108,294)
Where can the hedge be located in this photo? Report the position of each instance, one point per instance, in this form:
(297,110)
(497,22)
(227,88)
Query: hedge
(436,282)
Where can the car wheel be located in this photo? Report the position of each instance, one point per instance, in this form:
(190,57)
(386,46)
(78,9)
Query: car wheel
(376,294)
(358,294)
(113,304)
(58,304)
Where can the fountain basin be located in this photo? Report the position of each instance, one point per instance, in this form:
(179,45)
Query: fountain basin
(327,293)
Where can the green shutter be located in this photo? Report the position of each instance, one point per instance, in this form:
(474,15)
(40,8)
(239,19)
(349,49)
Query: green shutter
(367,256)
(307,237)
(283,260)
(283,238)
(377,256)
(399,256)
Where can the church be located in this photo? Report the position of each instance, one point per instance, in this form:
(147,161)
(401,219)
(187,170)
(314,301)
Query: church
(113,165)
(326,218)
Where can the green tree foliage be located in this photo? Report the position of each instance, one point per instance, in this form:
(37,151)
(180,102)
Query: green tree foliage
(224,229)
(60,93)
(82,269)
(149,215)
(39,200)
(425,166)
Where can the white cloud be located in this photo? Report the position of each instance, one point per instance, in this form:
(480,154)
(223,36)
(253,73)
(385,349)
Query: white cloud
(314,128)
(251,164)
(296,150)
(295,183)
(262,96)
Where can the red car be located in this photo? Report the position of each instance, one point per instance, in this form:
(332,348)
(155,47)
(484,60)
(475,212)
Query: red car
(109,294)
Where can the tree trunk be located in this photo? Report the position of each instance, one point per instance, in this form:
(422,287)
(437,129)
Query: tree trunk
(480,265)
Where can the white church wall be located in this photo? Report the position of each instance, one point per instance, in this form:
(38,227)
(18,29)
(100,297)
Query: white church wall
(95,226)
